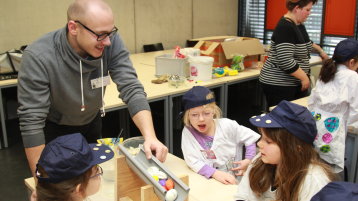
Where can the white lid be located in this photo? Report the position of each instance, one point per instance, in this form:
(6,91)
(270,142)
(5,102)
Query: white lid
(202,59)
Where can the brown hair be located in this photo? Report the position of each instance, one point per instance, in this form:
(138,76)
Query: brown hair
(217,110)
(329,69)
(61,191)
(296,157)
(291,4)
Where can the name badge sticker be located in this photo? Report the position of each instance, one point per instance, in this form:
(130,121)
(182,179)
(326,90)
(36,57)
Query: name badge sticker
(97,83)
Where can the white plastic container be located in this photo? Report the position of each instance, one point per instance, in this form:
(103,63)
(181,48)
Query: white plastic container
(166,64)
(201,68)
(190,52)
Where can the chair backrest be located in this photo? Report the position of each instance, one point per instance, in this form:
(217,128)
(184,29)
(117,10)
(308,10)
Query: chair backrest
(191,43)
(153,47)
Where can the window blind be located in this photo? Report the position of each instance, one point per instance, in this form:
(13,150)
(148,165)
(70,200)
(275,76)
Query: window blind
(253,18)
(252,24)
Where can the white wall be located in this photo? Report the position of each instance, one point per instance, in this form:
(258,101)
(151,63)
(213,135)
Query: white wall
(140,22)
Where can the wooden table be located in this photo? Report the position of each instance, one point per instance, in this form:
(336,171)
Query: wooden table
(201,189)
(302,101)
(144,63)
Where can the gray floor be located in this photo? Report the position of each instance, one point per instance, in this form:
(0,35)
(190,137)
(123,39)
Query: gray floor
(14,168)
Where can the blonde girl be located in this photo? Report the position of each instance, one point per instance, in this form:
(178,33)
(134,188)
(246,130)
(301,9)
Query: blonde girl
(213,146)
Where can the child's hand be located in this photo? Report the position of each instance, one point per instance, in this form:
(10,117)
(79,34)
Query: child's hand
(224,177)
(241,166)
(33,196)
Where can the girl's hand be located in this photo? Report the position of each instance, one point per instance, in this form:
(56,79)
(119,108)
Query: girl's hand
(241,167)
(224,177)
(33,196)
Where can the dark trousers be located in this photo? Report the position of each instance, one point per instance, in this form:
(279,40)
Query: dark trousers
(275,94)
(91,131)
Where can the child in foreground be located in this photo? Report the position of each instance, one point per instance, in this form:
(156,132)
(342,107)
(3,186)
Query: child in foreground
(342,191)
(68,169)
(288,168)
(334,103)
(213,146)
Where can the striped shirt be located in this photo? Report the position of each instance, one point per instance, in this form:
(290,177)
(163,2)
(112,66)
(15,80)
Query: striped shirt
(290,49)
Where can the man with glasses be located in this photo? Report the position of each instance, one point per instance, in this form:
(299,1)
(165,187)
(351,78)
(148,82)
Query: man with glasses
(63,77)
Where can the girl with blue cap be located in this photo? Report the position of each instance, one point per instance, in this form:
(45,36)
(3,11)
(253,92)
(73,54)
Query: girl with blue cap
(68,169)
(213,146)
(287,168)
(334,102)
(338,190)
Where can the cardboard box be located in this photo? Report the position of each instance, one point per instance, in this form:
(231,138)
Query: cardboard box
(223,48)
(166,64)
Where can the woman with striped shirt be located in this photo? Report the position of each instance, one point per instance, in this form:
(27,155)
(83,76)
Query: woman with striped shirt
(285,75)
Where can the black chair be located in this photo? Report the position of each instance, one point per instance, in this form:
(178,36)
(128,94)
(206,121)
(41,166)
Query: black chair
(153,47)
(191,43)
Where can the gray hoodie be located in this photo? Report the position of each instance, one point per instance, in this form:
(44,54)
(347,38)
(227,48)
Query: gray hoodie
(49,84)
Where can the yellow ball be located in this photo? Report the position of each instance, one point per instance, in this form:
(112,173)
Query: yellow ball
(155,177)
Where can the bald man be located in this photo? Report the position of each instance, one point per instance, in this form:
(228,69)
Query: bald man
(63,77)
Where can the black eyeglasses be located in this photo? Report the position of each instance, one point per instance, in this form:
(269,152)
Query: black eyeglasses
(99,36)
(99,172)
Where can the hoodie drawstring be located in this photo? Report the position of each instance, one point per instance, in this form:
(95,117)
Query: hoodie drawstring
(83,106)
(103,112)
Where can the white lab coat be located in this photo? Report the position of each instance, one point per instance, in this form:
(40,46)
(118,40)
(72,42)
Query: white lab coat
(335,106)
(229,139)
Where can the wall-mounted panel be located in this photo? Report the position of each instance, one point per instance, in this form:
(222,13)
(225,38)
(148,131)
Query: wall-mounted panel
(275,9)
(22,22)
(215,18)
(139,21)
(123,11)
(168,22)
(340,17)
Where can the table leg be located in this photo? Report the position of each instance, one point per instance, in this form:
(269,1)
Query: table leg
(170,124)
(353,166)
(167,137)
(225,97)
(223,104)
(124,120)
(3,124)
